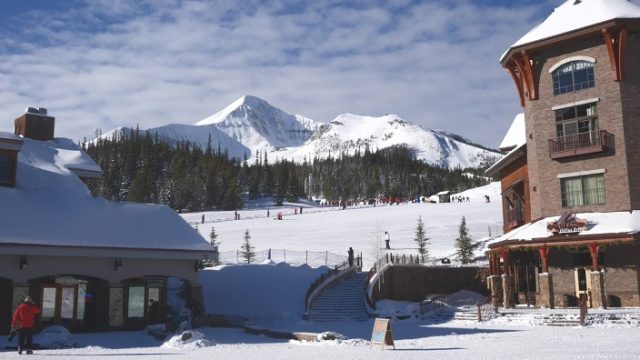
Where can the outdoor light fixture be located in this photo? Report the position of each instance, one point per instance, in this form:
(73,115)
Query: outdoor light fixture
(117,265)
(23,262)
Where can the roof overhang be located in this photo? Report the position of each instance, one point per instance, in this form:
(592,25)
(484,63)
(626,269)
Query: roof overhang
(94,251)
(631,23)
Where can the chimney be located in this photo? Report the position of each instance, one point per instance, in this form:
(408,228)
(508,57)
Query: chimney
(35,124)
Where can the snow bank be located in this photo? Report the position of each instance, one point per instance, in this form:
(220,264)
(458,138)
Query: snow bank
(55,337)
(464,298)
(189,340)
(264,293)
(397,309)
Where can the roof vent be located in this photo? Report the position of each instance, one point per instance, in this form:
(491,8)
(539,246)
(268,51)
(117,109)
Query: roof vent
(577,2)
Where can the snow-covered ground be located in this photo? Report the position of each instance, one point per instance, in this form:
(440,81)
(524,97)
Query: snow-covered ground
(335,230)
(413,340)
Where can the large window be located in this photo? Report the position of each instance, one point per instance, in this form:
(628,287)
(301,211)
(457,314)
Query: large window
(573,76)
(576,120)
(583,190)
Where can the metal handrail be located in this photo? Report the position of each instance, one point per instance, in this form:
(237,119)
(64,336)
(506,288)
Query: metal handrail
(325,276)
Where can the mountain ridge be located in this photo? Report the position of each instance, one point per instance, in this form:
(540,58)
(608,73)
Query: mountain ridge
(251,125)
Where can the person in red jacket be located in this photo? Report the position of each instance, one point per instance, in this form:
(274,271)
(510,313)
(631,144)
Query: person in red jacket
(23,320)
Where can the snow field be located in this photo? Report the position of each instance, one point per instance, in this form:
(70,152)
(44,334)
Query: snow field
(333,230)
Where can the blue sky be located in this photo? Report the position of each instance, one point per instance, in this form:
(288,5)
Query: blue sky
(104,64)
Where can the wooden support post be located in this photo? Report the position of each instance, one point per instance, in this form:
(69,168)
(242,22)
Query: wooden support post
(505,260)
(517,80)
(544,256)
(615,42)
(593,249)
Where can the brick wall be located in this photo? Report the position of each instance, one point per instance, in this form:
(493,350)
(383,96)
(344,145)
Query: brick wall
(414,283)
(630,88)
(540,127)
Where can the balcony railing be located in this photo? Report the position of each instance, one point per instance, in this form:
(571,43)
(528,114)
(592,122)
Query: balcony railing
(515,217)
(580,144)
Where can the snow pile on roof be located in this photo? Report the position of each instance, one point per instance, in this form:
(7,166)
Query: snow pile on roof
(50,205)
(258,291)
(578,14)
(516,135)
(621,222)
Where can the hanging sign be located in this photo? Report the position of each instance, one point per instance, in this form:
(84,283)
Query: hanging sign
(382,333)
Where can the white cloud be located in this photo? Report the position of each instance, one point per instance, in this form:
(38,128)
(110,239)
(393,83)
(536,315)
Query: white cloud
(108,64)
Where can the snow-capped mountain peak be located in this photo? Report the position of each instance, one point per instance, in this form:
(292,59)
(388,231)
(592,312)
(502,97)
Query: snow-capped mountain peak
(250,124)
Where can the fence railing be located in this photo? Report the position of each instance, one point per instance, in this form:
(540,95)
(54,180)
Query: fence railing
(432,303)
(583,143)
(292,257)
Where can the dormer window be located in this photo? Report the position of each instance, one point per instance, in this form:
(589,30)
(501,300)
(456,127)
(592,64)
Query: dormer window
(573,76)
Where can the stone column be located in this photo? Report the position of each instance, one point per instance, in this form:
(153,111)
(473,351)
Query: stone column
(507,291)
(546,290)
(597,290)
(495,286)
(116,306)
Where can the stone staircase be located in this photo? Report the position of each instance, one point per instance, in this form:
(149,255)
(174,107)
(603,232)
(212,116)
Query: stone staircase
(343,300)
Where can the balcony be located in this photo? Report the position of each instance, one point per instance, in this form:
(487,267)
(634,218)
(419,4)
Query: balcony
(580,144)
(515,217)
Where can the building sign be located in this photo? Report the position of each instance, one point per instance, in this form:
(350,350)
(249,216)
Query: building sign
(568,223)
(382,333)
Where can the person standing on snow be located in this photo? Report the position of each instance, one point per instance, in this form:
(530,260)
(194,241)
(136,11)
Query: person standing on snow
(387,239)
(23,320)
(350,252)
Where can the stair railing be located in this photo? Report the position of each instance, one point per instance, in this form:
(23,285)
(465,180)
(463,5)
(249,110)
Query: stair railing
(338,272)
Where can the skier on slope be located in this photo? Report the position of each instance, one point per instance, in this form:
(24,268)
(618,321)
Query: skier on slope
(387,239)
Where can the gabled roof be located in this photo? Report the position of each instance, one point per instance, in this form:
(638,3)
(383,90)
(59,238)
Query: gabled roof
(575,15)
(51,206)
(516,135)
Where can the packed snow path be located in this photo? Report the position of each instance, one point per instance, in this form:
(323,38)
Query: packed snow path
(344,300)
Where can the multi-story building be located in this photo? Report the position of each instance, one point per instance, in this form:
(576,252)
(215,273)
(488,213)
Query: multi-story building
(571,179)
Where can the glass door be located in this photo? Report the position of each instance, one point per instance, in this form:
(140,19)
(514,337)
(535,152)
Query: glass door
(49,297)
(583,283)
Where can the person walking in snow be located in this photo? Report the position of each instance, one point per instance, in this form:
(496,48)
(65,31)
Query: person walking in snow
(350,252)
(23,320)
(387,239)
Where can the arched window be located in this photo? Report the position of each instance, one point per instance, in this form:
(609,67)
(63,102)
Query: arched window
(573,76)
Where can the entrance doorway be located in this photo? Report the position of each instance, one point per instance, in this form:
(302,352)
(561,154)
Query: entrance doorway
(583,283)
(5,306)
(78,303)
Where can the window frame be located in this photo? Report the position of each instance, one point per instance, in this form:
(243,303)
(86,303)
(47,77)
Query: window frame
(585,195)
(561,69)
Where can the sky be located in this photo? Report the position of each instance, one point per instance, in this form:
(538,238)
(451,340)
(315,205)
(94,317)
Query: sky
(104,64)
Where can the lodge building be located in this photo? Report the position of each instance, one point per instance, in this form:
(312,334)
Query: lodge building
(571,177)
(90,264)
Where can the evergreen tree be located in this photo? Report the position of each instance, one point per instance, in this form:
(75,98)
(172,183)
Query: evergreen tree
(463,244)
(247,250)
(421,240)
(213,237)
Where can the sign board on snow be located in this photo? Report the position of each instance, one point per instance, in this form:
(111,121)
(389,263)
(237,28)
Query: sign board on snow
(382,333)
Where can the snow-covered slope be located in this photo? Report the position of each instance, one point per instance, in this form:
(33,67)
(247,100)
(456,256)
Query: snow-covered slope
(250,124)
(349,133)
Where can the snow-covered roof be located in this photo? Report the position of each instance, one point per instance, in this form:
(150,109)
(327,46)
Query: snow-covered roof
(621,222)
(574,15)
(516,135)
(9,136)
(507,159)
(51,206)
(9,141)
